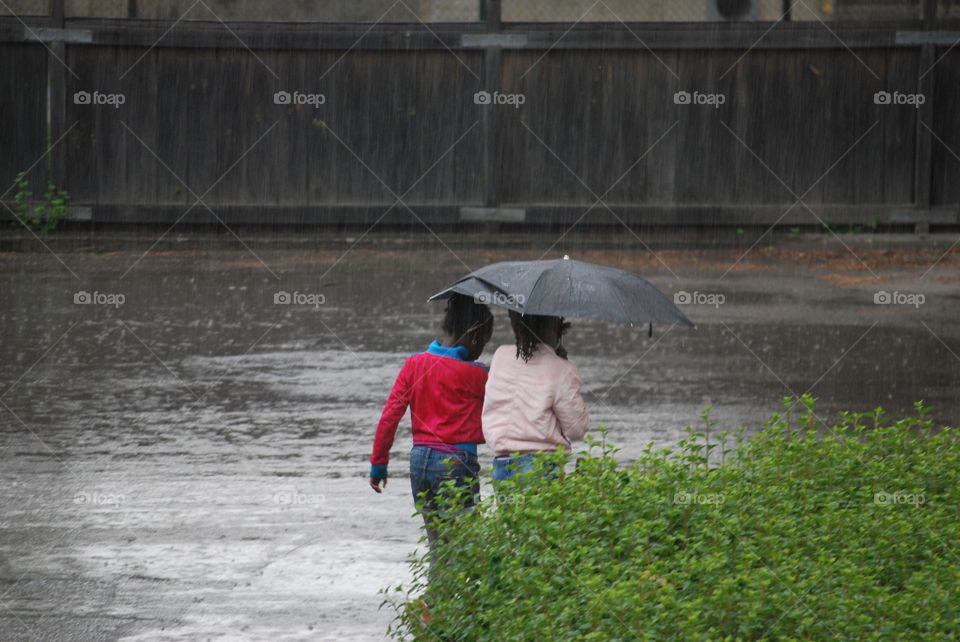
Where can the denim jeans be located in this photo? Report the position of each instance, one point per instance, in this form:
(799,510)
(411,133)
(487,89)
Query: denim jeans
(429,468)
(506,466)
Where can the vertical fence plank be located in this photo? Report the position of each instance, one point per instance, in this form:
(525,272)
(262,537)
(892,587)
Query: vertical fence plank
(141,116)
(23,101)
(489,126)
(945,154)
(897,130)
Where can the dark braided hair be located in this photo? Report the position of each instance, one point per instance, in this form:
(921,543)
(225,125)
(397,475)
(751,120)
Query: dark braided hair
(530,330)
(466,320)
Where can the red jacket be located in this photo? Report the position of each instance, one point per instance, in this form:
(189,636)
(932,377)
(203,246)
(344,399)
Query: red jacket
(445,395)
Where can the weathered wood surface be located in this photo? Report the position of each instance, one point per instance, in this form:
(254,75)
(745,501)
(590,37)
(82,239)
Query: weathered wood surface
(399,125)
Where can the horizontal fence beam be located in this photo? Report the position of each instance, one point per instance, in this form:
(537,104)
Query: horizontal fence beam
(732,215)
(325,36)
(935,38)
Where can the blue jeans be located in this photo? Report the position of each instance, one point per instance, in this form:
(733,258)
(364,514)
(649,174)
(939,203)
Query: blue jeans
(506,466)
(429,468)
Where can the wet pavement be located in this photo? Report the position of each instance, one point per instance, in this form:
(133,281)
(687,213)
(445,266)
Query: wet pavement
(190,463)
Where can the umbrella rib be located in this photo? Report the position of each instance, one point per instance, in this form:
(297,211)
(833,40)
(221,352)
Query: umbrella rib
(537,282)
(626,313)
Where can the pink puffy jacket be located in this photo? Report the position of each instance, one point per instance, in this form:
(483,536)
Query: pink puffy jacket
(534,405)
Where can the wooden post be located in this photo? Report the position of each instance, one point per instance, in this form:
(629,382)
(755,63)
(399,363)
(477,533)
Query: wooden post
(488,122)
(786,10)
(923,161)
(491,14)
(57,99)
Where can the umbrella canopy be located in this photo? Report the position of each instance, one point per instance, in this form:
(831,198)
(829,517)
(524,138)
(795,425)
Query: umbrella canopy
(568,288)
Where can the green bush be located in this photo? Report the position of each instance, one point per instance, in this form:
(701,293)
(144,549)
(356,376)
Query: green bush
(797,533)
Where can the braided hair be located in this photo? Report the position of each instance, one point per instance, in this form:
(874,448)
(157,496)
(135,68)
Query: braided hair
(466,320)
(531,329)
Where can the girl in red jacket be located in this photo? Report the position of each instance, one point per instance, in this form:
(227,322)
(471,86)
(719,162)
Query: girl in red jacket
(444,389)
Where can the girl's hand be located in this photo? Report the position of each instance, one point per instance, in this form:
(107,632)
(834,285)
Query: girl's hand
(375,484)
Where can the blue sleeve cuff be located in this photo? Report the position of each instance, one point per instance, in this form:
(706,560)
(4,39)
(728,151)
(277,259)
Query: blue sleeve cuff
(378,471)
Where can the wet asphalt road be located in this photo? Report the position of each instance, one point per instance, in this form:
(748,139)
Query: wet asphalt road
(190,464)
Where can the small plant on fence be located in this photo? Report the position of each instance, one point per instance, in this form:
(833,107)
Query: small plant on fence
(38,215)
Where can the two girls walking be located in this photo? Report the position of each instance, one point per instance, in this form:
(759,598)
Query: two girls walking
(529,402)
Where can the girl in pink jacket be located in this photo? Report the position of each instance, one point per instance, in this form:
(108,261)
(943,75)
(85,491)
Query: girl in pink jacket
(532,401)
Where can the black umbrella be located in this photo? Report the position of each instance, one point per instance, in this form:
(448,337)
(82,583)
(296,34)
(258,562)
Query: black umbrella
(568,288)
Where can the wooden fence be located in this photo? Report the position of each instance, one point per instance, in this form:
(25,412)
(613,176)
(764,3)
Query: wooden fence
(189,122)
